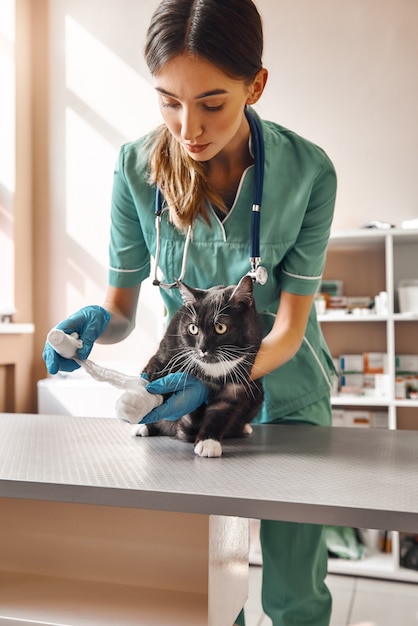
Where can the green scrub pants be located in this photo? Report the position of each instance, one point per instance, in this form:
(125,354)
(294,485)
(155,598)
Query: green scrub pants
(295,560)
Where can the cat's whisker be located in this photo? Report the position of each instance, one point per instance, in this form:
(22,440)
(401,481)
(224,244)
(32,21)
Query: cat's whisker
(240,377)
(180,361)
(190,311)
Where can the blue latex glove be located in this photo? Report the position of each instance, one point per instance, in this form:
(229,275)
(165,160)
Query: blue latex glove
(188,394)
(89,323)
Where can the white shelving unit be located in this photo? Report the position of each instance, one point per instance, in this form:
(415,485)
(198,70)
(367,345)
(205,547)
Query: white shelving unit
(369,261)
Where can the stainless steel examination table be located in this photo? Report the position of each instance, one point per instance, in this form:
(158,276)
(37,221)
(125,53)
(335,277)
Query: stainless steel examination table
(98,527)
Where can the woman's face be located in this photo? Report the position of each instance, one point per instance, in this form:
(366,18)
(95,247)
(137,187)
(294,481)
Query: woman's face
(203,107)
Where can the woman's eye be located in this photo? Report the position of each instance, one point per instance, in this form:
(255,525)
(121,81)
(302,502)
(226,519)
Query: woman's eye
(213,108)
(220,328)
(193,329)
(171,104)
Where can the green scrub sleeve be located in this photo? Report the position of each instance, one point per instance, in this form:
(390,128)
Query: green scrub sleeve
(304,263)
(128,253)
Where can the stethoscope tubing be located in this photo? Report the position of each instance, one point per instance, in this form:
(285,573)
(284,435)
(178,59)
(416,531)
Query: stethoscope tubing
(259,160)
(156,282)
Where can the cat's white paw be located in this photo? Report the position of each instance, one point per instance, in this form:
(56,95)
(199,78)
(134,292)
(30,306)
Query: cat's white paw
(208,448)
(247,429)
(139,430)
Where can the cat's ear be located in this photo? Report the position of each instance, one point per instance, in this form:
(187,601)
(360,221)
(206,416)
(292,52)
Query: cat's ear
(188,294)
(243,292)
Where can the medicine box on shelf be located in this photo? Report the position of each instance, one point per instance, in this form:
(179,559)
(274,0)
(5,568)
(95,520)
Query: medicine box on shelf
(351,363)
(406,363)
(359,418)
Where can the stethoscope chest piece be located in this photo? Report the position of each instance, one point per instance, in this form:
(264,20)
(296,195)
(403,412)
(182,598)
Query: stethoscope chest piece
(259,275)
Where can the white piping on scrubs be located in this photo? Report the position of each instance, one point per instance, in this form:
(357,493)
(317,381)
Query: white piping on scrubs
(321,367)
(115,269)
(302,276)
(222,222)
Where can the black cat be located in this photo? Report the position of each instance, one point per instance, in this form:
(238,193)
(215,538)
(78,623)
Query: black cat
(215,337)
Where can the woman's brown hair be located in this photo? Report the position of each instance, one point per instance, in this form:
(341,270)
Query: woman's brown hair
(228,34)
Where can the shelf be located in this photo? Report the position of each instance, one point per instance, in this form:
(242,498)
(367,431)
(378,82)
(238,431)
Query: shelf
(51,600)
(370,401)
(405,317)
(374,566)
(409,404)
(359,401)
(372,236)
(123,565)
(348,317)
(369,261)
(358,236)
(16,329)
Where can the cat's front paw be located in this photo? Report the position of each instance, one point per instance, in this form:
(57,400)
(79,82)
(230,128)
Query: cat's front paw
(208,448)
(139,430)
(134,404)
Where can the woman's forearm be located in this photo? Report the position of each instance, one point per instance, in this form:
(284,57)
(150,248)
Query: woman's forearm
(275,350)
(122,306)
(286,336)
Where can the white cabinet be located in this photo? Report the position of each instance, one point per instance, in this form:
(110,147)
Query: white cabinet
(368,262)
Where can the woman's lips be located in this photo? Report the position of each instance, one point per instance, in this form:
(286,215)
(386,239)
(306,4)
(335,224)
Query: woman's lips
(195,148)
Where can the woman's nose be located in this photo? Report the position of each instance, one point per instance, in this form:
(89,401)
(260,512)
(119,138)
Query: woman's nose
(191,127)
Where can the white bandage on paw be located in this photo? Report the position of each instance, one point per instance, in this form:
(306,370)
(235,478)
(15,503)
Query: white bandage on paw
(208,448)
(134,404)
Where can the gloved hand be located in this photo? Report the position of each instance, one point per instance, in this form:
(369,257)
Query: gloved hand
(89,323)
(188,394)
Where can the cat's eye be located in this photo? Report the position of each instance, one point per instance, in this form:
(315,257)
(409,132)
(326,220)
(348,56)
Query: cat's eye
(193,329)
(220,328)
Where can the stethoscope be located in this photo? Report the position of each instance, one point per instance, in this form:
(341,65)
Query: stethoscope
(257,272)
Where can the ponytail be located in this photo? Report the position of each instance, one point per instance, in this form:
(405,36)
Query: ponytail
(182,180)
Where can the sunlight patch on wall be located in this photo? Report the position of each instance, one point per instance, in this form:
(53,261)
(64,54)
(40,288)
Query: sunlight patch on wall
(90,162)
(103,96)
(108,85)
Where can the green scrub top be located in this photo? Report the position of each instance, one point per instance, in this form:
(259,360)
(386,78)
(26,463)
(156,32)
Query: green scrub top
(296,215)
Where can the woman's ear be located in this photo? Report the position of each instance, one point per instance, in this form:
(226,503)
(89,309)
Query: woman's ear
(257,86)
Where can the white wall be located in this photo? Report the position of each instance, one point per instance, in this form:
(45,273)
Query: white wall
(341,73)
(344,74)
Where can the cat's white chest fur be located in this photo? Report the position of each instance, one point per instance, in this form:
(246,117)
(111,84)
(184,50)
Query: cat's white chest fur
(220,369)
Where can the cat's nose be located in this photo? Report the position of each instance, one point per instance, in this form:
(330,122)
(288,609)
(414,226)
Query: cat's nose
(202,353)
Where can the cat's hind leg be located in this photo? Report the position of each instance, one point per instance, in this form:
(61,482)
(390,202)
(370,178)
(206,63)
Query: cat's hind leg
(162,428)
(139,430)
